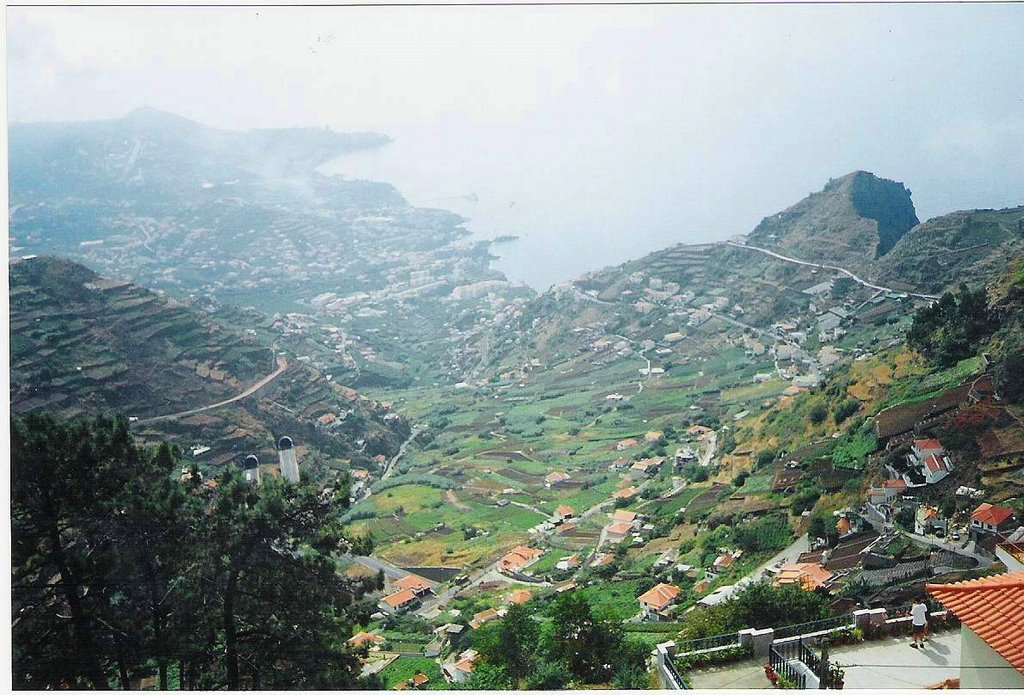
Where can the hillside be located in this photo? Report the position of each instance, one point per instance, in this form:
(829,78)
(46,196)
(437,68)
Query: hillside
(81,342)
(854,219)
(150,152)
(972,245)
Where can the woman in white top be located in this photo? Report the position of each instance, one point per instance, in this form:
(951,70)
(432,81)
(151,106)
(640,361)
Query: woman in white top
(919,620)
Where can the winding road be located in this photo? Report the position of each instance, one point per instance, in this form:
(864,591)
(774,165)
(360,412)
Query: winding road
(837,268)
(282,365)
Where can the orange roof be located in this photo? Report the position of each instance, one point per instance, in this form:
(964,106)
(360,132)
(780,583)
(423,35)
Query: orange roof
(660,596)
(618,529)
(928,444)
(519,597)
(724,560)
(807,574)
(519,557)
(564,511)
(402,686)
(993,608)
(625,493)
(411,581)
(483,617)
(400,598)
(624,515)
(844,526)
(420,679)
(701,586)
(557,477)
(935,464)
(363,637)
(899,484)
(991,514)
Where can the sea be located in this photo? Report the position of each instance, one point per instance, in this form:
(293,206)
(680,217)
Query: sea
(575,201)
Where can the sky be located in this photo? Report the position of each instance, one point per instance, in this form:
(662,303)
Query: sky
(729,112)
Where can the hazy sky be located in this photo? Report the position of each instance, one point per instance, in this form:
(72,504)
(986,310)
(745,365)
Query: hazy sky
(741,110)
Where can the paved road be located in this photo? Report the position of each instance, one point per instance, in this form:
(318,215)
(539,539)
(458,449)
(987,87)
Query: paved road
(376,564)
(787,556)
(844,271)
(282,365)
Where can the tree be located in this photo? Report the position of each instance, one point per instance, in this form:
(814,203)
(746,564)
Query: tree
(954,327)
(120,568)
(510,643)
(585,645)
(818,414)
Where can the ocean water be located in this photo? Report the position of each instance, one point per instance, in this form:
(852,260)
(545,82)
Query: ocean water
(576,200)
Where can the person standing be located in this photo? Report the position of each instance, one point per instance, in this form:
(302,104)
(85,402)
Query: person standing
(919,622)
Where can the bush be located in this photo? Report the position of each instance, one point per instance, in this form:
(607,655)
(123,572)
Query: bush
(818,414)
(845,410)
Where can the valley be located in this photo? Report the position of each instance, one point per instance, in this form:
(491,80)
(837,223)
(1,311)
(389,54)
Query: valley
(699,418)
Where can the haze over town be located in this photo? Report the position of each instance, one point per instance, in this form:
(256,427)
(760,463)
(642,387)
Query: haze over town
(593,134)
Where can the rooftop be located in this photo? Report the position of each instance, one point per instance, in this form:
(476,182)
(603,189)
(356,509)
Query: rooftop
(993,608)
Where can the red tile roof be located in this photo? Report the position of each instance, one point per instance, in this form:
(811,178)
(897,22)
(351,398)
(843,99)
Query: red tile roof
(993,608)
(928,444)
(897,484)
(420,679)
(991,514)
(399,599)
(660,596)
(564,511)
(411,581)
(935,464)
(520,597)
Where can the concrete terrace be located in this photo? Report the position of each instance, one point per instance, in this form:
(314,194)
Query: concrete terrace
(888,664)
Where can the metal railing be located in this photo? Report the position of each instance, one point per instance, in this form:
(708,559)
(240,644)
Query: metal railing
(782,665)
(670,666)
(731,639)
(837,622)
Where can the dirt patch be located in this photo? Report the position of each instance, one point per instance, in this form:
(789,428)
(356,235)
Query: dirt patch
(503,456)
(453,498)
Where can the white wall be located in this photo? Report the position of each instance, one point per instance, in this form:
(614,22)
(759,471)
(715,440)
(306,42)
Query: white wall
(994,671)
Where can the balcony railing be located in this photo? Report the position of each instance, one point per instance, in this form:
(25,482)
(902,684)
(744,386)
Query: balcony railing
(837,622)
(702,644)
(785,668)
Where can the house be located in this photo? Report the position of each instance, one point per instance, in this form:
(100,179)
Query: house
(627,444)
(519,558)
(807,575)
(888,492)
(361,638)
(657,603)
(398,601)
(625,516)
(626,493)
(645,468)
(419,680)
(569,563)
(990,518)
(518,598)
(724,562)
(927,520)
(417,585)
(1011,551)
(844,527)
(483,617)
(929,457)
(564,512)
(991,613)
(461,669)
(617,531)
(569,586)
(555,478)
